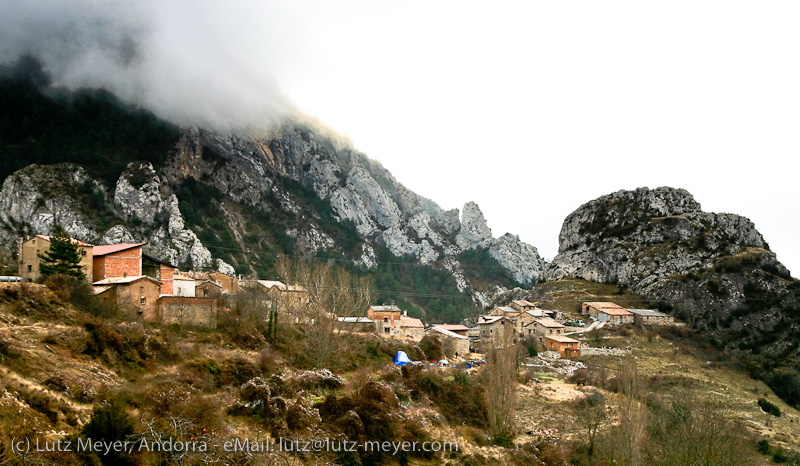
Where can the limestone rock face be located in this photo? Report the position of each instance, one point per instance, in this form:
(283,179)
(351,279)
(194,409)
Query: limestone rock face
(32,201)
(635,237)
(359,190)
(138,193)
(521,259)
(474,230)
(294,169)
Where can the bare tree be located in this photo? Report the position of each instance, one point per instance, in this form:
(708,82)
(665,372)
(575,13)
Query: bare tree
(689,429)
(500,380)
(591,411)
(331,293)
(633,414)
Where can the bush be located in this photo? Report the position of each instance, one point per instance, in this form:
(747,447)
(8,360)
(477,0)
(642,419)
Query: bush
(768,407)
(459,397)
(432,347)
(504,440)
(763,447)
(109,423)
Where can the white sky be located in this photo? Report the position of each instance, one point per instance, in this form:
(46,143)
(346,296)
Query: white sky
(528,108)
(533,108)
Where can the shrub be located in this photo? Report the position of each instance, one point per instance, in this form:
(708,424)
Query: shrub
(504,440)
(109,423)
(460,398)
(432,347)
(768,407)
(763,447)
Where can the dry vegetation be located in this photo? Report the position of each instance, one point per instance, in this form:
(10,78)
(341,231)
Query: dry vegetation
(67,374)
(567,295)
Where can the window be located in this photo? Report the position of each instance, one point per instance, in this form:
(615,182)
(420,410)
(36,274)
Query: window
(30,268)
(141,290)
(83,252)
(386,330)
(385,320)
(143,301)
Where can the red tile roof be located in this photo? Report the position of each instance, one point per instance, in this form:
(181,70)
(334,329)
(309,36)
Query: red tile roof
(562,339)
(547,322)
(410,322)
(112,248)
(603,305)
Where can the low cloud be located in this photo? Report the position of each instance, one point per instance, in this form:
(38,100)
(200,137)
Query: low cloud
(201,63)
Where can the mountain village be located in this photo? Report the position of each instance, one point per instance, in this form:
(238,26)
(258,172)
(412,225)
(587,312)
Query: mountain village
(143,287)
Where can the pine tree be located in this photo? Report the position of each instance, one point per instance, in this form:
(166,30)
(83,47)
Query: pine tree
(64,257)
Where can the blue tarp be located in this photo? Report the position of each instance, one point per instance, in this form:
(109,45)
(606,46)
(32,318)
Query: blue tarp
(401,358)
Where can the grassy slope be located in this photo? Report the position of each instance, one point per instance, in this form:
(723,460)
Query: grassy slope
(567,295)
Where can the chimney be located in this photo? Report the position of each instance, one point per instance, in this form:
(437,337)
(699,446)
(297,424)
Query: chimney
(405,313)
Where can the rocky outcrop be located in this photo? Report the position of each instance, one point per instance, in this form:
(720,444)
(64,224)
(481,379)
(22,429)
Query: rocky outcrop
(294,170)
(636,237)
(359,190)
(37,198)
(474,230)
(713,271)
(521,259)
(138,193)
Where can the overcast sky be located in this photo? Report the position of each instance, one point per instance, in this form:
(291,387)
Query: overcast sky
(528,108)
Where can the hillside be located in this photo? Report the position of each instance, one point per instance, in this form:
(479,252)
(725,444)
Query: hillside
(108,172)
(68,374)
(713,271)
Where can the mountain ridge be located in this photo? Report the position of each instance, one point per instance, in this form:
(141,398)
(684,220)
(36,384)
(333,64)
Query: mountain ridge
(232,201)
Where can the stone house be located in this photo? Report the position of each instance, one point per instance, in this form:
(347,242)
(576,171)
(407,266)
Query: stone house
(567,347)
(410,329)
(357,324)
(137,296)
(457,329)
(453,344)
(496,332)
(287,297)
(522,305)
(29,249)
(615,316)
(386,317)
(505,311)
(391,322)
(651,317)
(188,310)
(229,283)
(592,308)
(208,289)
(545,327)
(524,321)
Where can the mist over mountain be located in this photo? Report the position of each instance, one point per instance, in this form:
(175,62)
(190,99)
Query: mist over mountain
(108,172)
(148,54)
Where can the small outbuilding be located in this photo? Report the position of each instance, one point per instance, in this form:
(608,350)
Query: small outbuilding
(651,317)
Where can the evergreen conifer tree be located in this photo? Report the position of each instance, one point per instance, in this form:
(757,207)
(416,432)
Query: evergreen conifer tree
(64,257)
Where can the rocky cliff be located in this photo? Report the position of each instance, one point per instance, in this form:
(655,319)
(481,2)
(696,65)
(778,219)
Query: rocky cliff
(715,271)
(238,201)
